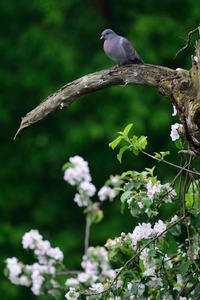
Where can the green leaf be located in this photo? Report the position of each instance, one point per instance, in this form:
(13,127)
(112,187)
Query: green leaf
(121,152)
(195,220)
(161,155)
(157,155)
(125,196)
(135,152)
(123,206)
(128,173)
(127,129)
(150,171)
(66,166)
(184,268)
(196,292)
(114,143)
(142,142)
(97,217)
(176,230)
(178,144)
(135,210)
(164,153)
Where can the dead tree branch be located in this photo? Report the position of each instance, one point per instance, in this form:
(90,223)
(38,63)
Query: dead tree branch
(180,86)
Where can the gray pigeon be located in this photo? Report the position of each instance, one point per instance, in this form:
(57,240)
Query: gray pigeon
(119,49)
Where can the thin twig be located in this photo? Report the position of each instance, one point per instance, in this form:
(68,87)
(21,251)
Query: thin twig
(87,231)
(183,292)
(171,164)
(188,42)
(67,273)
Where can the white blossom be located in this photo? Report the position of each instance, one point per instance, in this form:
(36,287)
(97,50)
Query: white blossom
(170,194)
(88,188)
(30,238)
(14,266)
(168,261)
(153,188)
(142,231)
(179,283)
(141,289)
(72,294)
(41,247)
(78,172)
(155,282)
(120,283)
(71,282)
(98,287)
(55,253)
(83,277)
(24,280)
(175,128)
(174,219)
(149,272)
(159,227)
(129,285)
(106,192)
(110,273)
(37,281)
(140,205)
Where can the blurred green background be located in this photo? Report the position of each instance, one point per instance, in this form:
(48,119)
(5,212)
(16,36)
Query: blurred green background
(44,45)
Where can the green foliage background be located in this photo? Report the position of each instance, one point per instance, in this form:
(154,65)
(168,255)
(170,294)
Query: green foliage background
(44,45)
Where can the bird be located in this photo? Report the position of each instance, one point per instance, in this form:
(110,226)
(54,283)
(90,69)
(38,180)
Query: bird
(119,49)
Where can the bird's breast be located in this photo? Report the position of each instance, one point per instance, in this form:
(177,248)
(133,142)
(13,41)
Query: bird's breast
(114,50)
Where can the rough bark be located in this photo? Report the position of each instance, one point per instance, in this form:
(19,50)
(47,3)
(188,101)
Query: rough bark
(180,86)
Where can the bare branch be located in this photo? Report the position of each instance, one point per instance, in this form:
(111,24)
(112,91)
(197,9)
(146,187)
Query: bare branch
(180,86)
(187,41)
(130,74)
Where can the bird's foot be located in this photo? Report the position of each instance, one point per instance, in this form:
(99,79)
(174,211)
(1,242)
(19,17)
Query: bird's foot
(117,66)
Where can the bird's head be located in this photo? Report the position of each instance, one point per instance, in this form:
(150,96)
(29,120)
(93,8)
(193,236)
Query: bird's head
(108,34)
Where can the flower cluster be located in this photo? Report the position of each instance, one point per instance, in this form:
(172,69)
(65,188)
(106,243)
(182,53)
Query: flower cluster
(145,194)
(77,173)
(145,231)
(96,269)
(166,191)
(34,275)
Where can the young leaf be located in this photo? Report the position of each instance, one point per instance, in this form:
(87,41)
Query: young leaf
(114,143)
(66,165)
(164,153)
(127,129)
(125,196)
(121,152)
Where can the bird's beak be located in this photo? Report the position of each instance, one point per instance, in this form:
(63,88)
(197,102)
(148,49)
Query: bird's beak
(101,38)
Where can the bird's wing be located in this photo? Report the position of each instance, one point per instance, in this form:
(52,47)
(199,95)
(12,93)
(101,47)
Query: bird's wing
(130,51)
